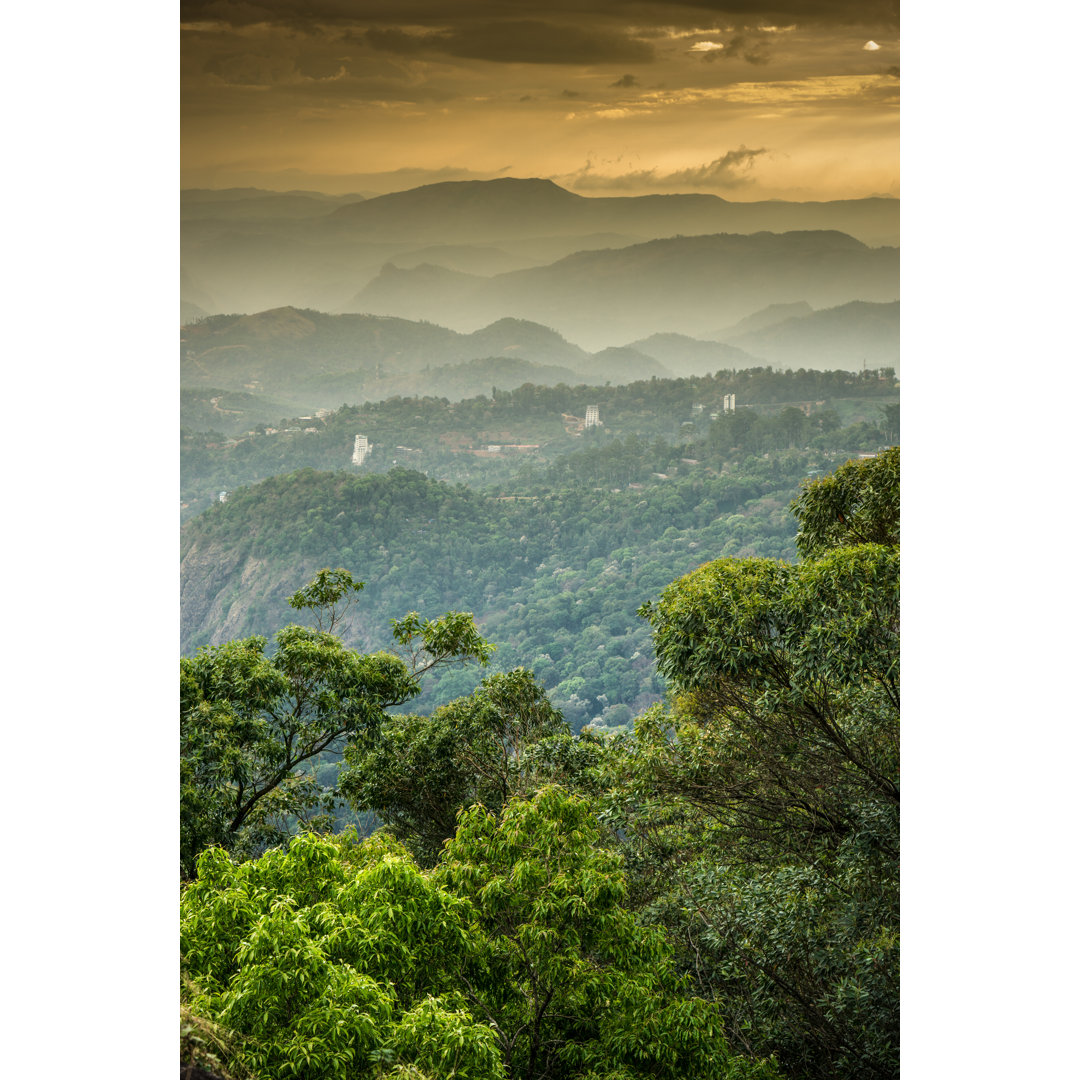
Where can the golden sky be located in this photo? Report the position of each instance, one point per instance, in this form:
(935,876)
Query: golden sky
(794,99)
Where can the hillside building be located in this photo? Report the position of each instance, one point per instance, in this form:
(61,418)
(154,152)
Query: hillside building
(361,449)
(592,416)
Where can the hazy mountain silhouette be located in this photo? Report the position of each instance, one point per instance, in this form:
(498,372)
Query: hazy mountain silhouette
(232,204)
(195,302)
(425,292)
(767,316)
(311,359)
(685,284)
(254,250)
(622,364)
(520,338)
(467,259)
(839,337)
(683,355)
(481,210)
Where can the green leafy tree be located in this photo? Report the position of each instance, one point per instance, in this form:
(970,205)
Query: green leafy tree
(763,804)
(249,721)
(420,771)
(569,982)
(515,959)
(859,503)
(332,959)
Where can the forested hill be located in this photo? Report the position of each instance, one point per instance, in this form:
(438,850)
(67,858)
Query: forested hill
(554,578)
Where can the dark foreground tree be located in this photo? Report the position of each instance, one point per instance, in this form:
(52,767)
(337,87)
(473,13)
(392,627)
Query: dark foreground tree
(422,770)
(763,805)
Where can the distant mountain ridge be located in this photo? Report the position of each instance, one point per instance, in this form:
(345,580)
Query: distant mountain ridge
(232,204)
(478,209)
(683,284)
(310,359)
(767,316)
(314,359)
(846,336)
(254,250)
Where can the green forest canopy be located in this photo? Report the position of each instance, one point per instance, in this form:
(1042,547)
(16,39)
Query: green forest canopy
(712,893)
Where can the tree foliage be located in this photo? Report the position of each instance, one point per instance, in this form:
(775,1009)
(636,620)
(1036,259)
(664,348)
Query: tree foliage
(859,503)
(422,770)
(782,743)
(249,721)
(513,958)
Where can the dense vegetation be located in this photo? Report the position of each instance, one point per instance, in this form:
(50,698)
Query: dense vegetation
(712,893)
(449,440)
(556,556)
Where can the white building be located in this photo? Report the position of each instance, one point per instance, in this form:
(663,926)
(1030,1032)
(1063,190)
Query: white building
(361,449)
(592,416)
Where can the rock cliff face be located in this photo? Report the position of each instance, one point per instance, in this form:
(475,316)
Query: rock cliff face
(205,574)
(223,590)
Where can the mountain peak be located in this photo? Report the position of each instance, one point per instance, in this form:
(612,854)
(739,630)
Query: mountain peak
(507,194)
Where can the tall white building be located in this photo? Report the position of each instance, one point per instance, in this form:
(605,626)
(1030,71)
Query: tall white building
(592,416)
(361,449)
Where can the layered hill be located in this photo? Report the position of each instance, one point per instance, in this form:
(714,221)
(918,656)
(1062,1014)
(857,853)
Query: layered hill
(509,208)
(554,581)
(684,284)
(253,250)
(311,359)
(845,337)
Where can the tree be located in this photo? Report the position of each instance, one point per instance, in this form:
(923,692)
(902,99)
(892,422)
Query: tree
(859,503)
(764,802)
(422,770)
(515,959)
(249,721)
(568,981)
(332,959)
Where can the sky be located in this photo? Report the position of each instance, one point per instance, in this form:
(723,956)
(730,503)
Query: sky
(789,99)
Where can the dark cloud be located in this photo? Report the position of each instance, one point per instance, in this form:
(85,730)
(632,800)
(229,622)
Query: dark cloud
(752,49)
(519,42)
(437,13)
(840,12)
(766,12)
(570,94)
(626,81)
(397,41)
(258,69)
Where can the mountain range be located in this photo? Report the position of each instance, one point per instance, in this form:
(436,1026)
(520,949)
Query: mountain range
(239,369)
(245,250)
(682,284)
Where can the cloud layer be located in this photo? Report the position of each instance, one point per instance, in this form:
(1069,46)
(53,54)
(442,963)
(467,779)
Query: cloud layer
(374,87)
